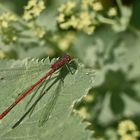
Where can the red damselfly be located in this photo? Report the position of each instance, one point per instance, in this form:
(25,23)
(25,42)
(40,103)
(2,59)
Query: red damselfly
(54,67)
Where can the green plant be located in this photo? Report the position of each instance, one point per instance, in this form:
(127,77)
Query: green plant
(105,36)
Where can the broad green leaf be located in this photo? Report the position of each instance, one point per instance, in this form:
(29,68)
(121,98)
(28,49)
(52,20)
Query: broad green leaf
(60,123)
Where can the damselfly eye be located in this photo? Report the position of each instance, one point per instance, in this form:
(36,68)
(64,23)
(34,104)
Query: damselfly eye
(68,58)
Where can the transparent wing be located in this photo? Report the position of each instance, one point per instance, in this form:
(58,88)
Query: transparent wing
(15,80)
(50,105)
(46,113)
(51,101)
(42,89)
(39,90)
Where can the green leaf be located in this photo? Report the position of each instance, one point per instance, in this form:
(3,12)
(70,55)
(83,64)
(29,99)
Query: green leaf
(61,123)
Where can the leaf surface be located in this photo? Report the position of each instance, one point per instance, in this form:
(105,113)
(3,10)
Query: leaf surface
(61,123)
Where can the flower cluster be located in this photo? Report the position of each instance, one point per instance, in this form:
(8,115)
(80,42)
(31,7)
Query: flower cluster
(6,19)
(31,12)
(33,9)
(7,30)
(67,8)
(112,12)
(127,130)
(83,16)
(68,18)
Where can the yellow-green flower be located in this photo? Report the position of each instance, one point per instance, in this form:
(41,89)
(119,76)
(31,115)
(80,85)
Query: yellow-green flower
(89,98)
(85,20)
(31,3)
(61,18)
(6,19)
(61,8)
(112,12)
(97,6)
(128,137)
(73,21)
(86,3)
(126,125)
(64,25)
(7,30)
(89,29)
(38,8)
(27,16)
(33,9)
(127,130)
(67,8)
(85,23)
(84,113)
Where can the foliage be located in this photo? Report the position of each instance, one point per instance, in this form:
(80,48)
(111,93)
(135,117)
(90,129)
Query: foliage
(52,115)
(104,35)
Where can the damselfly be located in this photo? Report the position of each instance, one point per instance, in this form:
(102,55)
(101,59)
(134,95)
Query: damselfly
(54,67)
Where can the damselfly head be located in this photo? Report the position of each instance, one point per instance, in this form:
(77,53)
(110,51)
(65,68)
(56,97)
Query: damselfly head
(62,61)
(67,57)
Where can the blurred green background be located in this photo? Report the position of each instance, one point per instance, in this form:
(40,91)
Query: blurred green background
(102,34)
